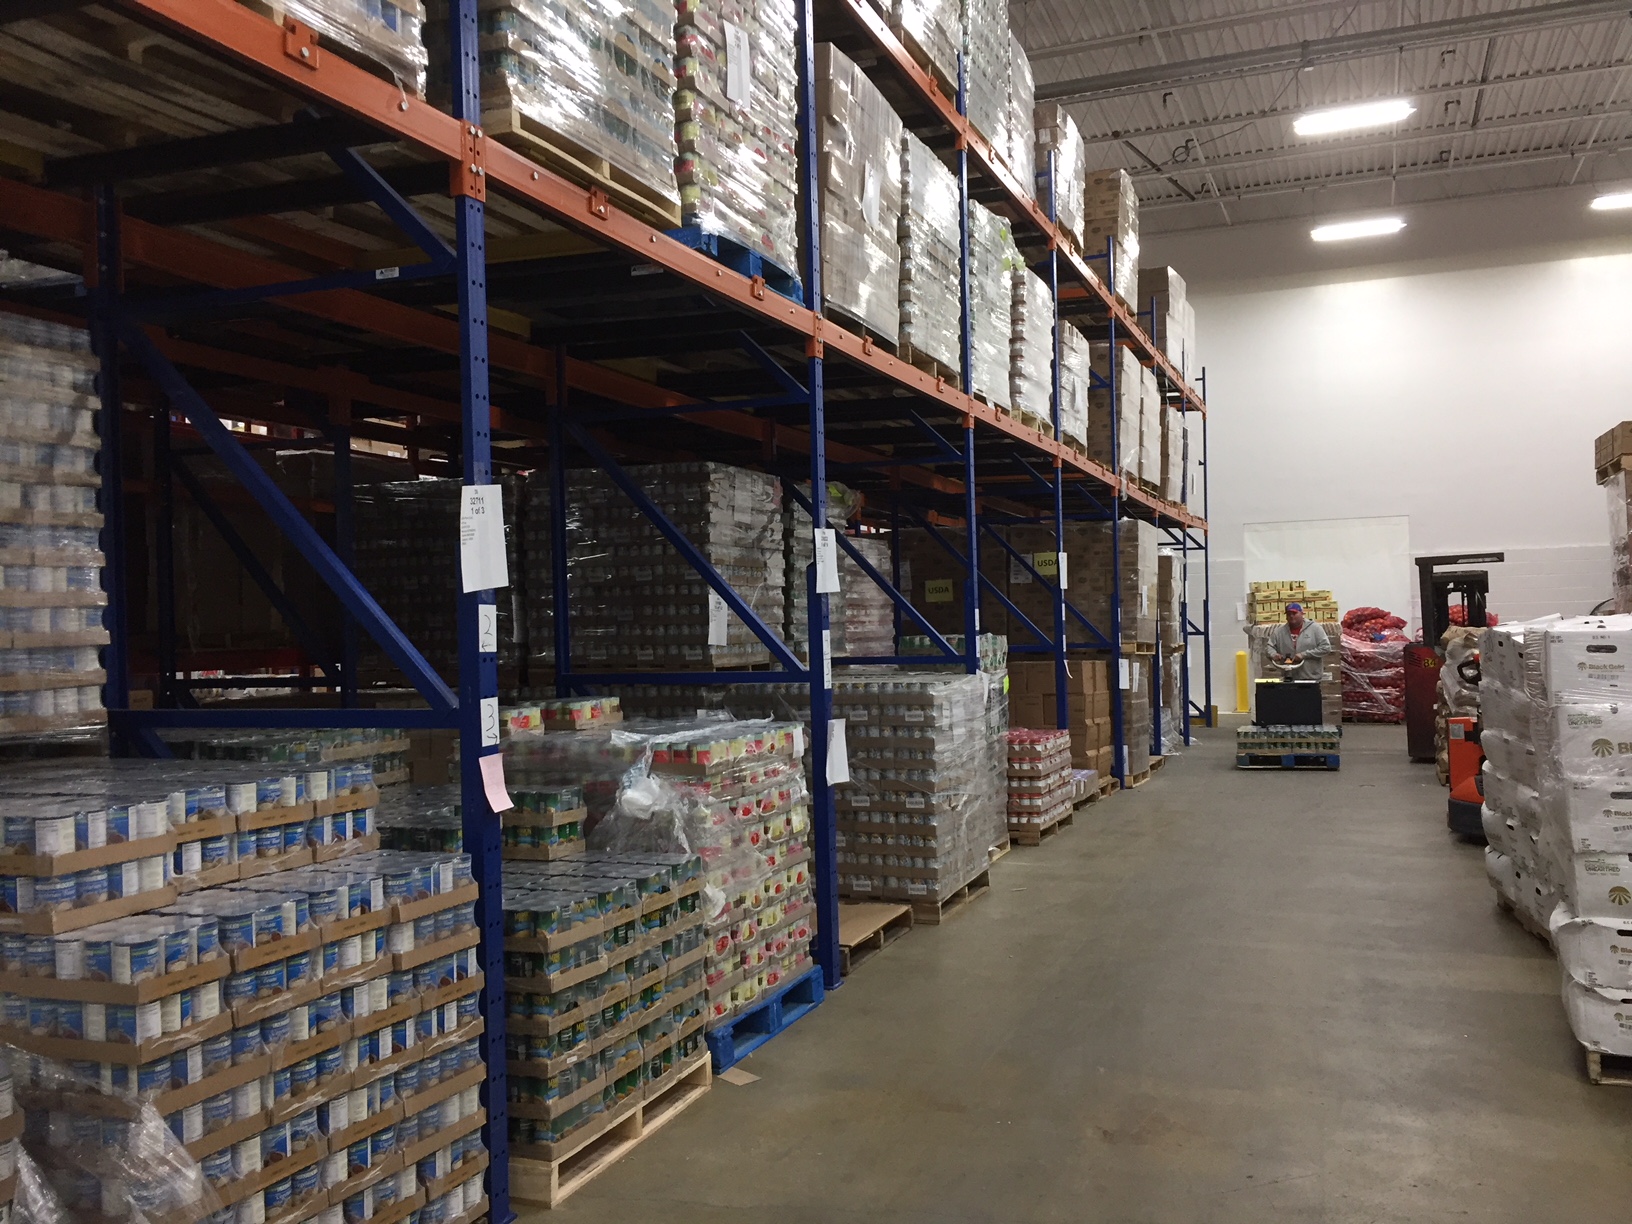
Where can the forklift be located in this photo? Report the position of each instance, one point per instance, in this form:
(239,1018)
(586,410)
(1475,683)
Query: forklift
(1422,666)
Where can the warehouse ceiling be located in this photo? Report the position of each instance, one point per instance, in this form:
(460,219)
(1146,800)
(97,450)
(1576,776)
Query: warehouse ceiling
(1196,99)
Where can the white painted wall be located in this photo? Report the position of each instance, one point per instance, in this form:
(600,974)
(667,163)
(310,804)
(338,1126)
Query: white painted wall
(1460,384)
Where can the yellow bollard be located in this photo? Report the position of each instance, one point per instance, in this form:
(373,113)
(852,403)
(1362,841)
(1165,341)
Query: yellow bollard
(1241,682)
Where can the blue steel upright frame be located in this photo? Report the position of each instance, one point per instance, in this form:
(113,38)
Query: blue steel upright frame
(473,712)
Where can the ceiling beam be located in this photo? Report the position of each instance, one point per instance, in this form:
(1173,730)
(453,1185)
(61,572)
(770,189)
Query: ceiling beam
(1290,56)
(1361,178)
(1288,153)
(1241,118)
(1233,21)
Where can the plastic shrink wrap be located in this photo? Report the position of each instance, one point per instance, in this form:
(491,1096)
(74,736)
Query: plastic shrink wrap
(1020,134)
(1057,133)
(1175,439)
(933,32)
(800,545)
(869,614)
(1111,210)
(1115,405)
(49,549)
(735,112)
(859,138)
(986,68)
(1076,386)
(1163,289)
(591,79)
(390,34)
(1031,349)
(928,786)
(733,794)
(1151,408)
(931,306)
(992,259)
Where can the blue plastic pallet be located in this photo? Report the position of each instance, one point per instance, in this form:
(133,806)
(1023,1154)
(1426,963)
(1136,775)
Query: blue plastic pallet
(739,258)
(1286,760)
(740,1036)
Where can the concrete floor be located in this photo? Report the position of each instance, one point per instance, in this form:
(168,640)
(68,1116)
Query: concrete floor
(1224,996)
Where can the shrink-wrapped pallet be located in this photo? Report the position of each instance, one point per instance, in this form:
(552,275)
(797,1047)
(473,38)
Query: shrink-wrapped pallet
(735,114)
(389,33)
(587,79)
(992,258)
(1076,384)
(1118,403)
(1162,289)
(1031,348)
(1150,427)
(986,67)
(859,138)
(1020,135)
(1174,435)
(800,551)
(1111,210)
(931,307)
(932,31)
(1057,133)
(49,527)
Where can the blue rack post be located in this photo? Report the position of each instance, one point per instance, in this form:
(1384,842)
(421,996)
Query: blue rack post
(966,352)
(478,711)
(1119,749)
(1062,697)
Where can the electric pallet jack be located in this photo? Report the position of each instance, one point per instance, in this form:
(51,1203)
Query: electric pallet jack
(1466,759)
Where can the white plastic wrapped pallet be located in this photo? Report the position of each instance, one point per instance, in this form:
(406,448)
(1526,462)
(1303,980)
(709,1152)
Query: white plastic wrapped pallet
(735,114)
(933,32)
(859,138)
(390,34)
(1057,133)
(1150,427)
(1124,410)
(992,256)
(1031,346)
(598,74)
(986,67)
(1020,136)
(931,309)
(1076,382)
(1111,210)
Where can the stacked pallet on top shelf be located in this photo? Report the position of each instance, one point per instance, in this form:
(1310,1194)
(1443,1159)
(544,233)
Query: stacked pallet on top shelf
(1121,409)
(587,89)
(931,309)
(1057,134)
(992,260)
(1111,210)
(986,68)
(932,33)
(860,175)
(371,31)
(1031,350)
(51,597)
(1020,134)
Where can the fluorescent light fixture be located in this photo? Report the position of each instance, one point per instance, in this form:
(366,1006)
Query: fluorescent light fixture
(1352,118)
(1372,227)
(1613,200)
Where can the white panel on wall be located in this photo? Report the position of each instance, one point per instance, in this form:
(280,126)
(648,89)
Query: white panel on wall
(1361,561)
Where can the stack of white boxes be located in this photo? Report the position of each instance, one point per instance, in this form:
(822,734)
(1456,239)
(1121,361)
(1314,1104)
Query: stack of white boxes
(1150,428)
(1020,137)
(1175,442)
(986,61)
(1111,210)
(1076,384)
(1057,134)
(860,141)
(931,305)
(1121,407)
(933,32)
(992,256)
(1584,670)
(1175,324)
(1031,349)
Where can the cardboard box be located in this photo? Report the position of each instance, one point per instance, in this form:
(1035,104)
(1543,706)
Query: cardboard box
(1589,658)
(1599,885)
(1612,444)
(1592,741)
(1594,814)
(1600,1019)
(1593,952)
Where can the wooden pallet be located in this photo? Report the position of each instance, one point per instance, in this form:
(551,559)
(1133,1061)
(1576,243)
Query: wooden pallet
(1609,1069)
(918,359)
(866,928)
(1033,834)
(1605,471)
(933,913)
(1156,762)
(1129,781)
(1288,760)
(534,140)
(547,1183)
(1138,648)
(993,853)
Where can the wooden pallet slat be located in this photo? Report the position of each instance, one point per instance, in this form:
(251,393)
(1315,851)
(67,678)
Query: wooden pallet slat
(866,928)
(933,913)
(1029,834)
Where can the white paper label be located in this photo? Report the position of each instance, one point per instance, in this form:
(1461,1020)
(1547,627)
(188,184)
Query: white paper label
(716,618)
(487,628)
(838,753)
(872,191)
(827,561)
(738,65)
(827,658)
(798,739)
(1064,582)
(490,721)
(482,564)
(1124,678)
(1019,575)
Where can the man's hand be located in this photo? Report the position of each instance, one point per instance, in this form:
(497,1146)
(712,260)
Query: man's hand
(1297,658)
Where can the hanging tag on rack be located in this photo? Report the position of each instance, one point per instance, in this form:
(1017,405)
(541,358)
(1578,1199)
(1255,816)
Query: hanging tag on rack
(827,659)
(1125,679)
(482,564)
(490,721)
(716,618)
(498,795)
(1063,581)
(827,561)
(838,753)
(487,628)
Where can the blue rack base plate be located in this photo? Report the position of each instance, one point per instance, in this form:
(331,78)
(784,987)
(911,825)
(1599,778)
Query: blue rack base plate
(741,1035)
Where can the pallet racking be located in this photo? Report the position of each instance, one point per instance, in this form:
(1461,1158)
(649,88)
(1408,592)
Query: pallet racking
(212,266)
